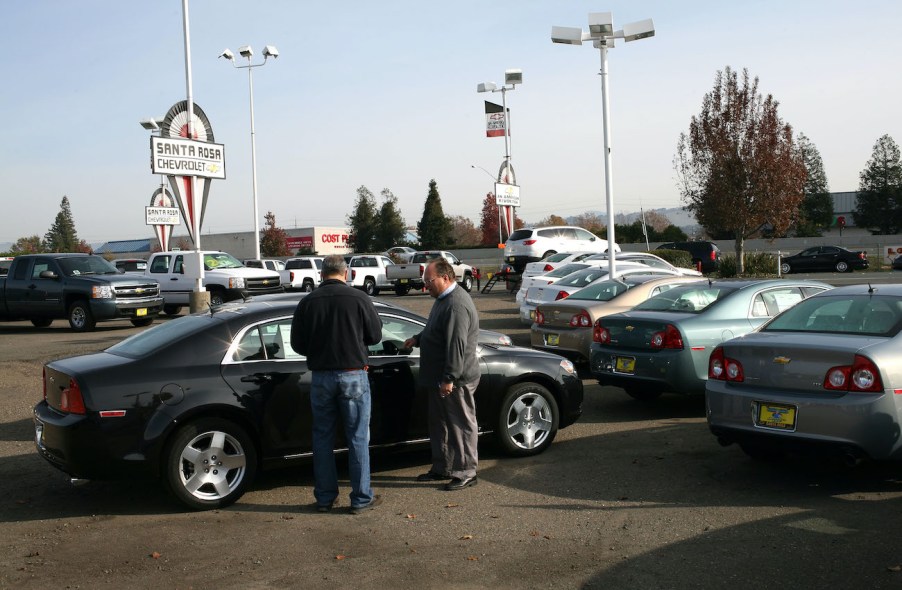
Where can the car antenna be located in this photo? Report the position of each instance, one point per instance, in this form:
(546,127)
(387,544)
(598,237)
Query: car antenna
(709,282)
(870,289)
(210,307)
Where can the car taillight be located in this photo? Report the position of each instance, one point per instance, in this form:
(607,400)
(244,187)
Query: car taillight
(581,320)
(71,399)
(529,242)
(713,255)
(548,268)
(561,295)
(723,368)
(291,276)
(540,317)
(600,334)
(670,337)
(861,376)
(862,255)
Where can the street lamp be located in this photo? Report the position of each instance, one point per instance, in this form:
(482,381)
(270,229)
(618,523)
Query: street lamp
(602,34)
(511,79)
(248,53)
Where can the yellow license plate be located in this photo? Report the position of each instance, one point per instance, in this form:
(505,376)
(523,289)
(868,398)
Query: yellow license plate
(141,311)
(776,416)
(625,364)
(532,314)
(403,281)
(552,339)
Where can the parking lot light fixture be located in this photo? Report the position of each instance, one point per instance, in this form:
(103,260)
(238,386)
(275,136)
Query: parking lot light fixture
(247,53)
(602,35)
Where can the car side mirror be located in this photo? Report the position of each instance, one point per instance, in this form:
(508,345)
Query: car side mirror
(48,274)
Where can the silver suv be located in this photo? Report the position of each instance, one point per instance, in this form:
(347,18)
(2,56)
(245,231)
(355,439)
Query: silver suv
(532,244)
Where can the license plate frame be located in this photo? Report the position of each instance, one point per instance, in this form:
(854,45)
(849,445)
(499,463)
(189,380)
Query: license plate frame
(552,339)
(776,416)
(625,365)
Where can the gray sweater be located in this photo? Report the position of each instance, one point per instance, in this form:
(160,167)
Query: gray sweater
(448,341)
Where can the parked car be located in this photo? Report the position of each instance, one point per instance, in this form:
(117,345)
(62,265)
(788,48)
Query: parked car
(824,258)
(897,263)
(367,272)
(565,326)
(822,377)
(552,262)
(704,254)
(663,343)
(532,244)
(648,259)
(401,253)
(304,273)
(204,401)
(267,263)
(549,278)
(405,277)
(573,282)
(5,263)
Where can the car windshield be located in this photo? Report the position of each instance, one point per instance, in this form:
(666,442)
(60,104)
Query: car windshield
(602,291)
(86,265)
(691,299)
(565,270)
(220,260)
(864,314)
(583,277)
(159,336)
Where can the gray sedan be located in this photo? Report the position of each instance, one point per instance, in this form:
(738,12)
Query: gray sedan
(825,376)
(663,344)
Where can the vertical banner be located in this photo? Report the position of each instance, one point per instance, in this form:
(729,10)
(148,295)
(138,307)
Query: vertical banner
(494,120)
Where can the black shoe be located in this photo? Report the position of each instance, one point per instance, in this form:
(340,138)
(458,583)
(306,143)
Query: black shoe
(324,507)
(459,484)
(377,499)
(432,476)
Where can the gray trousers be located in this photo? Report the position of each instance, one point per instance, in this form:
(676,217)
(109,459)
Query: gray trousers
(453,432)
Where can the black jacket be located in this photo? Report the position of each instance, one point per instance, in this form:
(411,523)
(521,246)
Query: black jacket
(333,325)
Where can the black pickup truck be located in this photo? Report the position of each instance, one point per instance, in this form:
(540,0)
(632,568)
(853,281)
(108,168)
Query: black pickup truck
(82,288)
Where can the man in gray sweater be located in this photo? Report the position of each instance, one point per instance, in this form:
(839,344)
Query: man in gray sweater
(449,375)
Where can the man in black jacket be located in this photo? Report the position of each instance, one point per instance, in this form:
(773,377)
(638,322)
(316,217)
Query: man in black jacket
(332,327)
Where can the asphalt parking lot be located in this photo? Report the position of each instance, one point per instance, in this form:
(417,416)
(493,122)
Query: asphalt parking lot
(632,495)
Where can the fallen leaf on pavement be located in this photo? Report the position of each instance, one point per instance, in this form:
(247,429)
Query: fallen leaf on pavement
(410,516)
(339,556)
(466,537)
(450,505)
(472,558)
(156,555)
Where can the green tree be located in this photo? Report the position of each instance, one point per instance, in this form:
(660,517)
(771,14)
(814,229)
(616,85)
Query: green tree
(28,245)
(671,233)
(434,228)
(363,221)
(488,223)
(463,233)
(880,190)
(816,211)
(552,220)
(738,167)
(273,240)
(390,228)
(62,236)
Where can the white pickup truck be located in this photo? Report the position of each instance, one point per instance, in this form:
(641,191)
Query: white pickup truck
(304,273)
(224,277)
(405,277)
(367,272)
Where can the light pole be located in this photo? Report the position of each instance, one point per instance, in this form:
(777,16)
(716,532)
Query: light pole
(602,34)
(494,180)
(511,79)
(247,52)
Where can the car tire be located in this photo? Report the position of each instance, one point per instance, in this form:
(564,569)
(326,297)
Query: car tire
(216,297)
(467,283)
(197,450)
(643,395)
(785,268)
(842,266)
(41,322)
(369,287)
(527,420)
(80,317)
(760,453)
(142,322)
(401,291)
(172,309)
(307,287)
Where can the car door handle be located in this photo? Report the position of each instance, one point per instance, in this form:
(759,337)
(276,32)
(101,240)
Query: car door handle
(257,378)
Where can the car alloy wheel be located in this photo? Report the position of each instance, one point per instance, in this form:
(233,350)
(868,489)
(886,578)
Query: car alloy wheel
(842,266)
(80,317)
(307,287)
(785,268)
(369,287)
(528,420)
(468,283)
(210,463)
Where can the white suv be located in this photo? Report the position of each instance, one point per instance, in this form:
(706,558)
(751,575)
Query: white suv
(532,244)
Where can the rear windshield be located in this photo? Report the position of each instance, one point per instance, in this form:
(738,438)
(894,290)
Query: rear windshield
(521,234)
(691,299)
(870,315)
(583,277)
(602,291)
(565,270)
(159,336)
(557,257)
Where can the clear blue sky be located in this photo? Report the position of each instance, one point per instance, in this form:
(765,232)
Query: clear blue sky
(383,94)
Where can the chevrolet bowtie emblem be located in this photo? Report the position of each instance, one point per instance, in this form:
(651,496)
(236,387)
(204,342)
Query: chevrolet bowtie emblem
(265,281)
(782,360)
(630,328)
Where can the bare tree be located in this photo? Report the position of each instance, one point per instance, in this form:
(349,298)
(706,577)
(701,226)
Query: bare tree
(738,167)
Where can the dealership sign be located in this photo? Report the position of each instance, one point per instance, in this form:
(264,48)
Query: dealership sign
(162,215)
(507,195)
(187,157)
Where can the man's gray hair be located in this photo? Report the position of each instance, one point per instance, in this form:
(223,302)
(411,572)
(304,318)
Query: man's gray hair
(334,264)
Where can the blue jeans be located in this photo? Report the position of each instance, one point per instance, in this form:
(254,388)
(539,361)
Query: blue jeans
(344,393)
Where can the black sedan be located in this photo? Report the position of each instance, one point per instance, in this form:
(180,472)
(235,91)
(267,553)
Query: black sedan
(824,258)
(204,401)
